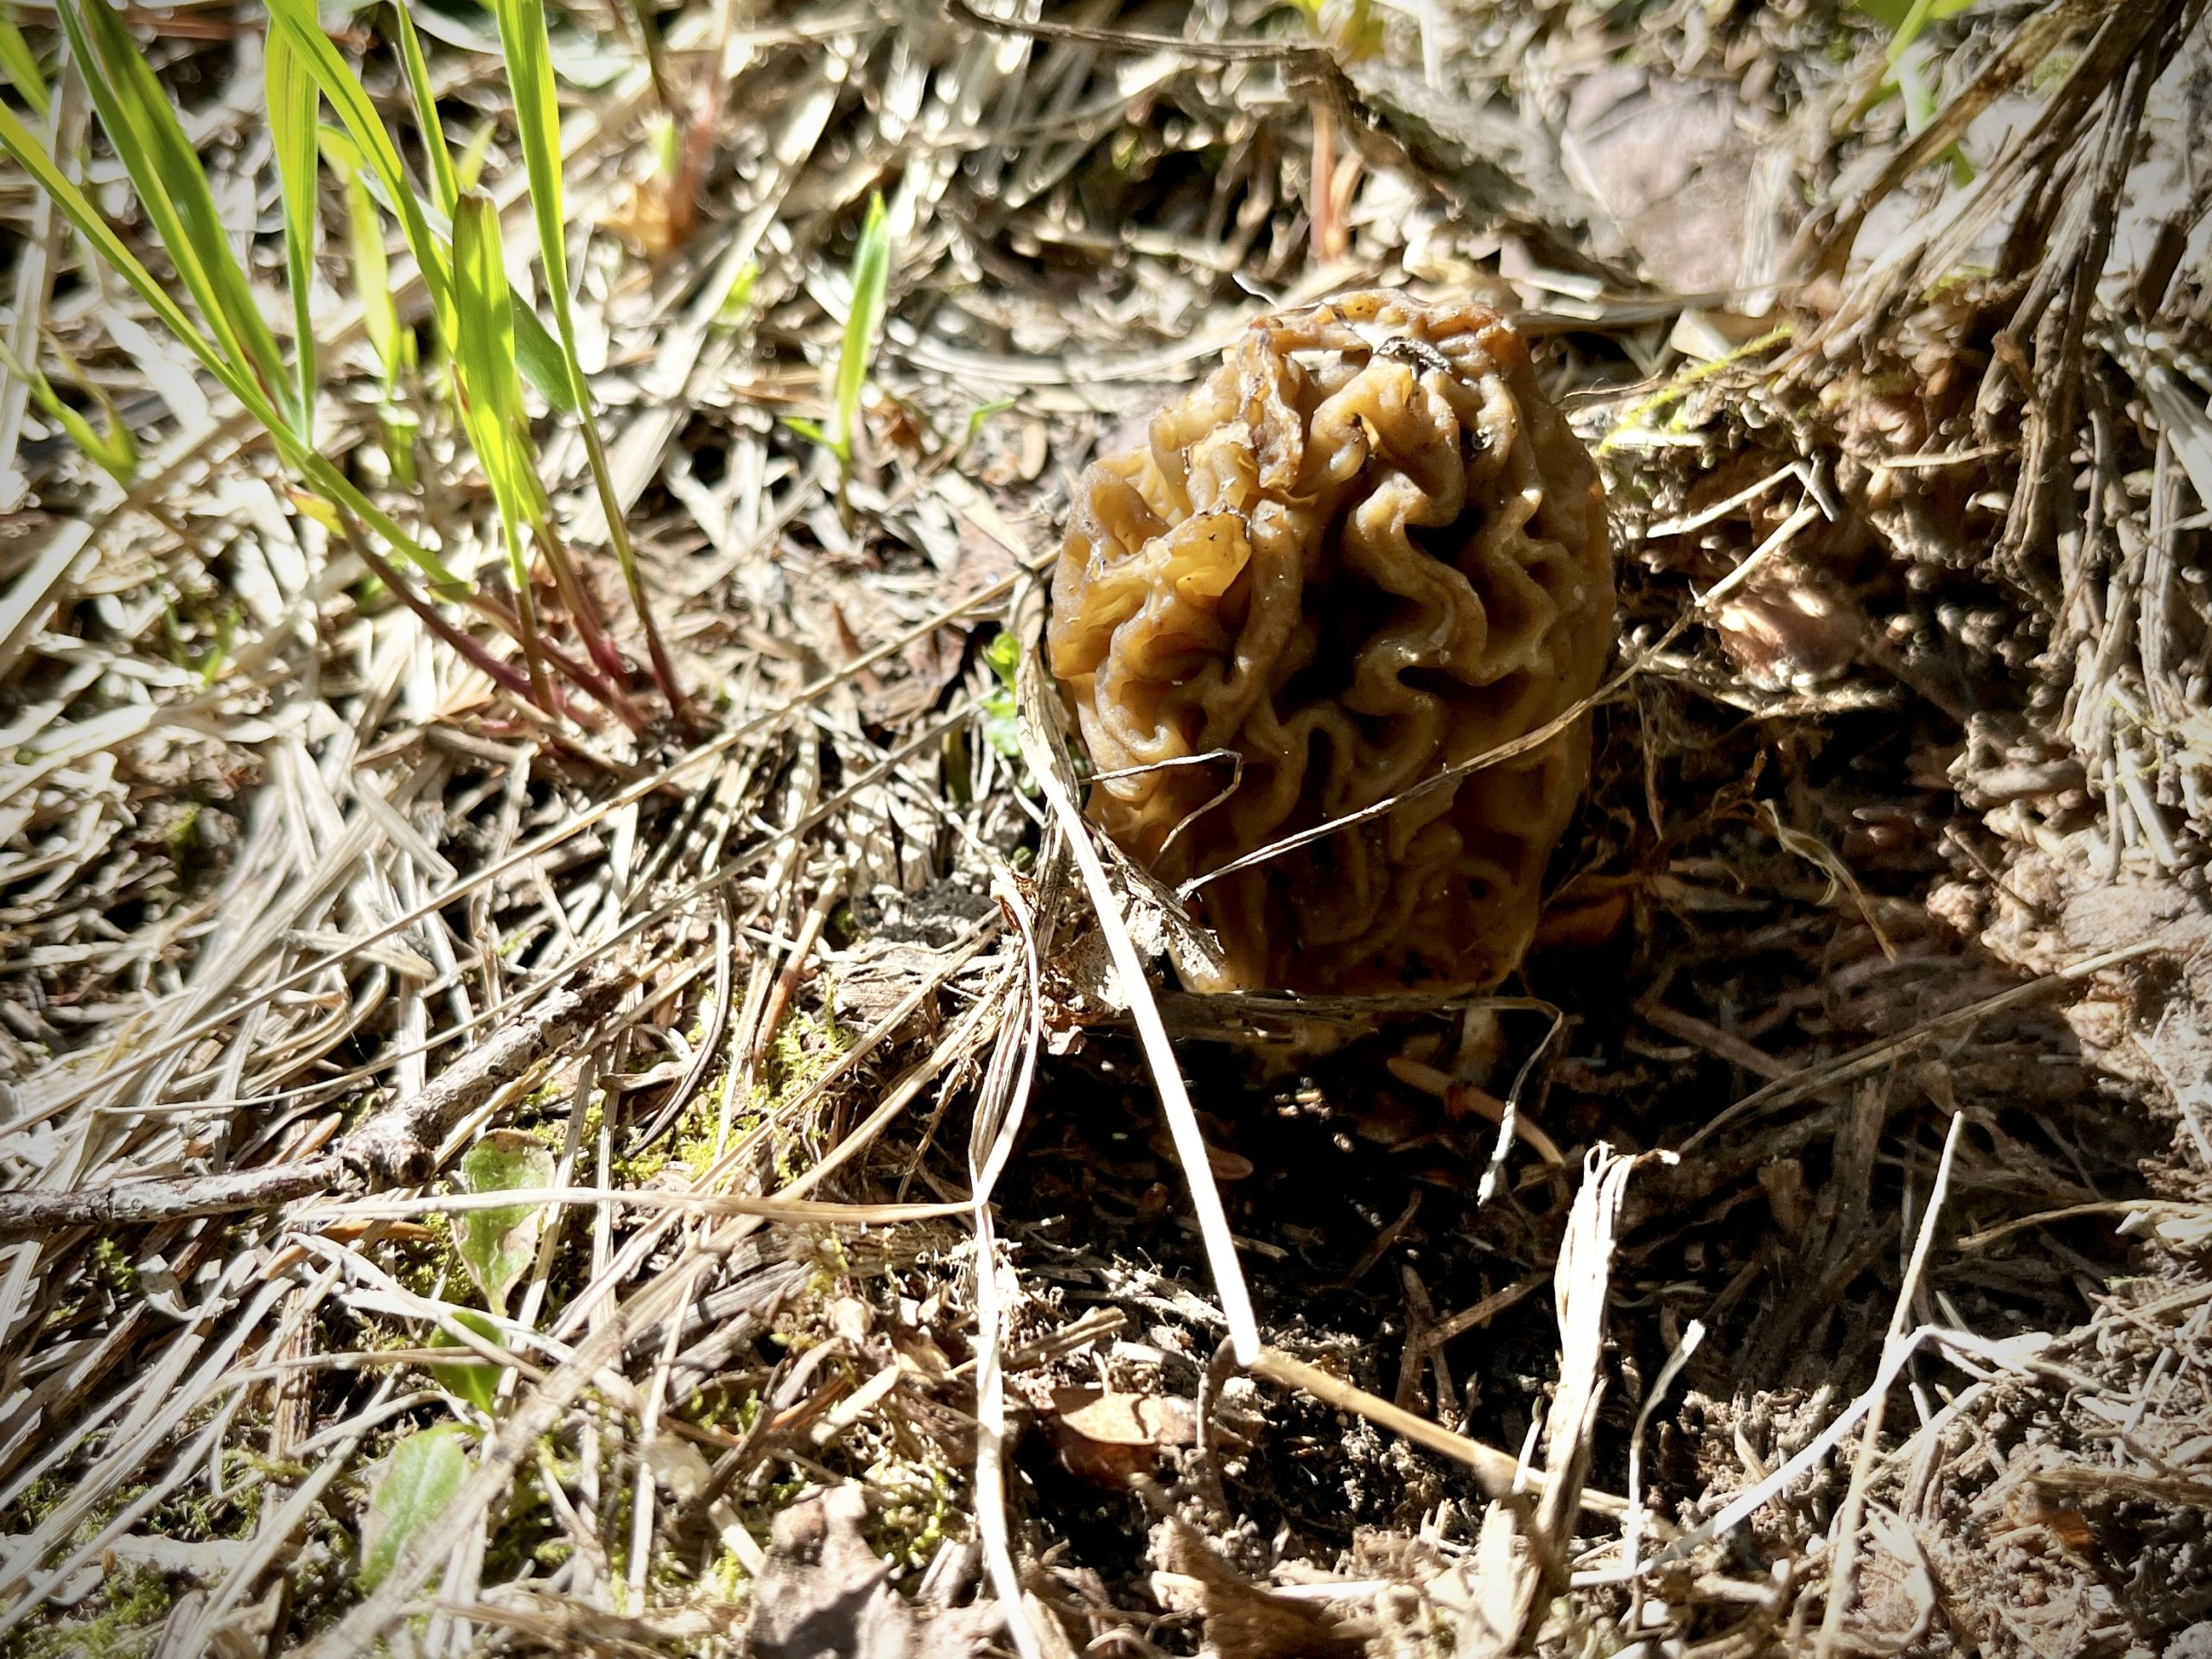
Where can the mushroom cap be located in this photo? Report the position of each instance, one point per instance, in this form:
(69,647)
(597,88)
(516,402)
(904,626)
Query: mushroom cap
(1365,550)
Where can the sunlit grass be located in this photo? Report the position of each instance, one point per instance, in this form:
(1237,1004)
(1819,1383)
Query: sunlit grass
(856,353)
(489,338)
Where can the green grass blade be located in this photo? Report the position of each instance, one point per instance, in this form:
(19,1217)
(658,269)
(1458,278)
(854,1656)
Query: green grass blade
(293,102)
(468,171)
(871,282)
(543,360)
(19,65)
(737,299)
(30,155)
(343,91)
(445,189)
(371,272)
(172,186)
(490,391)
(529,57)
(302,30)
(114,451)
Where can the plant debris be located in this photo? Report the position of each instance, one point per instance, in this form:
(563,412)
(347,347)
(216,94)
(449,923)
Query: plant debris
(592,1090)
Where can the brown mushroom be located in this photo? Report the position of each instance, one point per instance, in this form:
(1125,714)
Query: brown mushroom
(1365,550)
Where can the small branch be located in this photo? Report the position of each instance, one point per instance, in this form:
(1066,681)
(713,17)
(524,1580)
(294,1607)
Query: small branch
(1500,1473)
(138,1204)
(396,1146)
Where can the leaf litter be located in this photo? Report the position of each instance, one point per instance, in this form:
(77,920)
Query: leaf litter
(1839,1285)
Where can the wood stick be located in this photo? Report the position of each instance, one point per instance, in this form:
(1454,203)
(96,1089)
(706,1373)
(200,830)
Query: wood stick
(396,1146)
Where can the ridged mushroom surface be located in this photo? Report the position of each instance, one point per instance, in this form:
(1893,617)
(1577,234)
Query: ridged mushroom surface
(1366,549)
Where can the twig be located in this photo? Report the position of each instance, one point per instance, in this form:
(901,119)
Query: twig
(1494,1469)
(396,1146)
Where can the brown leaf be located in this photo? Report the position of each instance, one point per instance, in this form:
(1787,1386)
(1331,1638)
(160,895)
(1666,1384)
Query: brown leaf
(1789,629)
(1126,1419)
(822,1595)
(1110,1439)
(1243,1621)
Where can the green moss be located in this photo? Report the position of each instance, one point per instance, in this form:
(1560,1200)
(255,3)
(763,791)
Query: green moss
(726,1577)
(41,1498)
(430,1266)
(114,1266)
(2052,70)
(805,1045)
(50,1491)
(918,1514)
(178,837)
(191,1512)
(122,1618)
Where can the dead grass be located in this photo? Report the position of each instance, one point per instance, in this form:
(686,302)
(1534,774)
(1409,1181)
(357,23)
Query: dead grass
(1841,1288)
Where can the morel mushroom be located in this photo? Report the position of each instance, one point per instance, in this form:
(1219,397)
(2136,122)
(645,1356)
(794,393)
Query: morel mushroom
(1364,551)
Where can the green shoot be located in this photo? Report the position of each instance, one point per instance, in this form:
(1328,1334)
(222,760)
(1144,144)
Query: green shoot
(469,172)
(299,22)
(28,154)
(394,345)
(205,666)
(172,188)
(445,186)
(737,299)
(371,267)
(983,412)
(19,65)
(1908,74)
(491,337)
(491,400)
(492,410)
(413,1487)
(114,451)
(292,104)
(1905,19)
(864,322)
(529,56)
(1003,654)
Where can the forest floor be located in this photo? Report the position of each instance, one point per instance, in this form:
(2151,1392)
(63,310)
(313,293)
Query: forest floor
(1840,1281)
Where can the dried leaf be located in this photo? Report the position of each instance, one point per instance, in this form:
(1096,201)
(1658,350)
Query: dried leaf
(1110,1439)
(1243,1621)
(823,1595)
